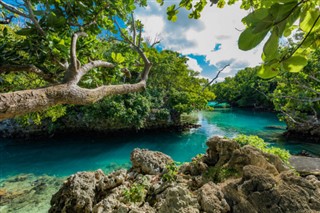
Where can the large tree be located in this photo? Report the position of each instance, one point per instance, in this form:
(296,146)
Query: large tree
(40,37)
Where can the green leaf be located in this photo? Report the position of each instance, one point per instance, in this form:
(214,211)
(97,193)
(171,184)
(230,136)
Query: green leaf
(308,21)
(295,63)
(287,31)
(268,71)
(255,17)
(270,48)
(117,57)
(174,18)
(113,56)
(249,40)
(160,2)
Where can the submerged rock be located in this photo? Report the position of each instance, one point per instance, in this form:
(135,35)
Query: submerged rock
(27,193)
(228,178)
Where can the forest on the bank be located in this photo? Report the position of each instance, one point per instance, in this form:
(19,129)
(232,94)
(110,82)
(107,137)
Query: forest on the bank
(294,95)
(87,63)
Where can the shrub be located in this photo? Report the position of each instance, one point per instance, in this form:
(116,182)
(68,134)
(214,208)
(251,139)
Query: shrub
(218,174)
(260,144)
(135,193)
(171,173)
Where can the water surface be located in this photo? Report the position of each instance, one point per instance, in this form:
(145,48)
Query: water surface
(64,156)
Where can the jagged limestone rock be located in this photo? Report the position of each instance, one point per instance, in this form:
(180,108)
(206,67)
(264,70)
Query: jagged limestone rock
(257,183)
(212,199)
(149,162)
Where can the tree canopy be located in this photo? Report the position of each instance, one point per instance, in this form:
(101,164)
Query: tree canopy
(45,43)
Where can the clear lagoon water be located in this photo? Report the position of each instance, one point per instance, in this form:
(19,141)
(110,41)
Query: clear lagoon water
(65,156)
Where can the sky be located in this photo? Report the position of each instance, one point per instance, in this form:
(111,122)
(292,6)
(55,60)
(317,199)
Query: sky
(209,42)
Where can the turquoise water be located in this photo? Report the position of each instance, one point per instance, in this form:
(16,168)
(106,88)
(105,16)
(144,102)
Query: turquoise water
(64,156)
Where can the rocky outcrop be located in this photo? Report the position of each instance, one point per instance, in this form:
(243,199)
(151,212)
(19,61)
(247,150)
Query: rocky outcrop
(149,162)
(228,178)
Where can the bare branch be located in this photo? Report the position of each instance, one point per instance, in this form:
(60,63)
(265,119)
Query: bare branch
(140,36)
(314,78)
(147,63)
(27,68)
(82,25)
(13,9)
(89,66)
(33,18)
(133,30)
(310,89)
(73,50)
(208,84)
(155,43)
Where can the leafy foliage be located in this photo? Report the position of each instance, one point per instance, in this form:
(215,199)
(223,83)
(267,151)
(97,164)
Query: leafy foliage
(259,143)
(219,174)
(136,193)
(246,89)
(171,173)
(274,17)
(297,96)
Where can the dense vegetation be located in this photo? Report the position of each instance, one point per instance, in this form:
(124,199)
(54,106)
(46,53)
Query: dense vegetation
(47,69)
(173,89)
(57,55)
(245,89)
(295,95)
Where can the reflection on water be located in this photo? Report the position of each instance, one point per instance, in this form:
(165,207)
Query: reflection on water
(47,162)
(62,157)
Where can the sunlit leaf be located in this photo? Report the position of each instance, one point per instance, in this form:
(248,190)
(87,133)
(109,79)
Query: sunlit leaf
(309,20)
(249,40)
(268,71)
(295,63)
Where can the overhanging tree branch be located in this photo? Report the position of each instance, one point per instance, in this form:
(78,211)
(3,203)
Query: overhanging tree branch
(21,102)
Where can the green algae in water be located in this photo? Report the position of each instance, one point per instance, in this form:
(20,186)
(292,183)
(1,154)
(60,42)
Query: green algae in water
(27,193)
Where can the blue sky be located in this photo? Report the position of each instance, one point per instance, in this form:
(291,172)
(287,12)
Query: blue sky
(209,43)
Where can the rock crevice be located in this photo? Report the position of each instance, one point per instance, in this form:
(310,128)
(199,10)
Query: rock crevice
(228,178)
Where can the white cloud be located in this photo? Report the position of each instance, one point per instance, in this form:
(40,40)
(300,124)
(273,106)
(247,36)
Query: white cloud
(199,37)
(193,64)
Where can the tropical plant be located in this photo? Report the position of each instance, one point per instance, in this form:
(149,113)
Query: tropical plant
(45,43)
(219,174)
(277,18)
(136,193)
(260,144)
(171,172)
